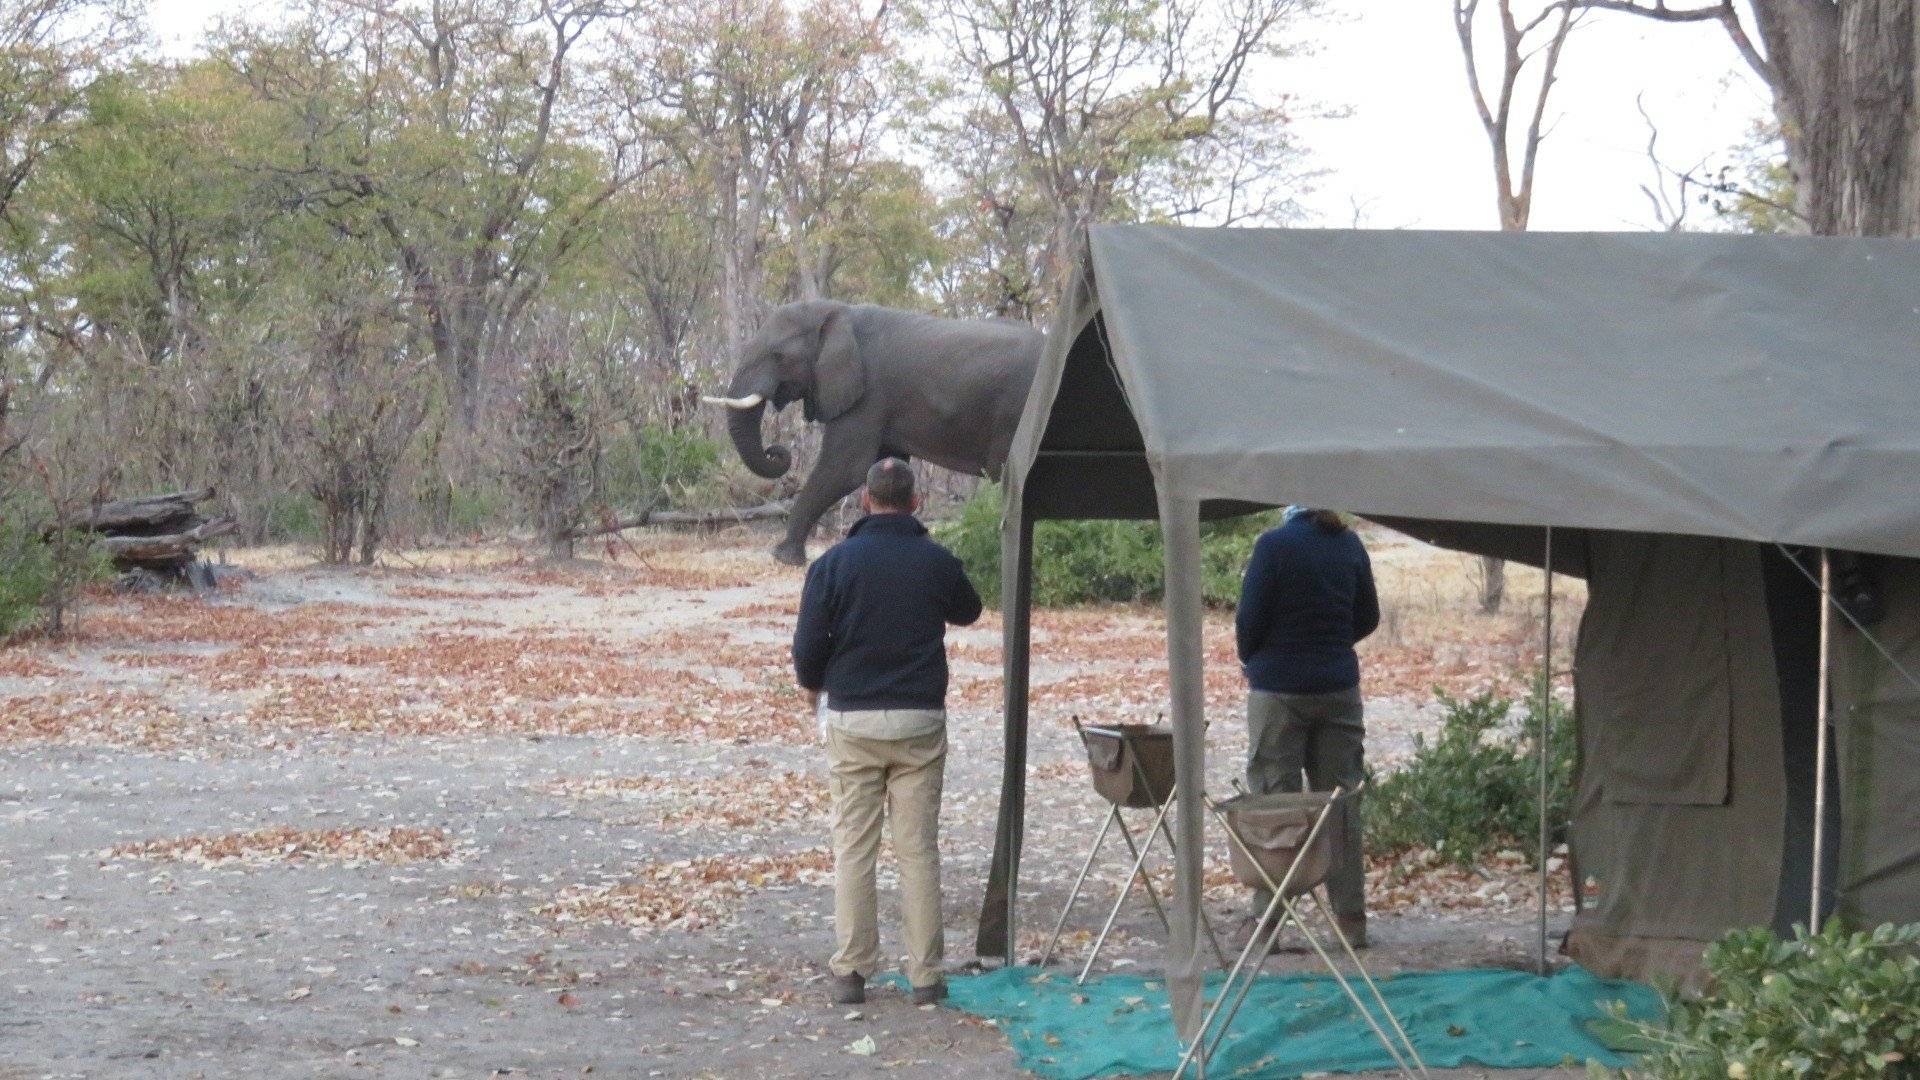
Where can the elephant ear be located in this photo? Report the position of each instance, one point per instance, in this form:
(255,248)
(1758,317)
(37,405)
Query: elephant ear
(840,373)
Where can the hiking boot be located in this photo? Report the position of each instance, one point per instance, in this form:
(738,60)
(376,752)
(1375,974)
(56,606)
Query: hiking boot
(1354,927)
(1251,926)
(849,989)
(930,995)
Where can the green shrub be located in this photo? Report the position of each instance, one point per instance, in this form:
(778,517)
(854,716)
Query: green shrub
(472,510)
(661,466)
(26,575)
(1085,562)
(292,515)
(1475,788)
(1833,1004)
(38,575)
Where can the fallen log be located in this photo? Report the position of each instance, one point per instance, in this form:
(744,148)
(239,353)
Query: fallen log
(731,516)
(698,518)
(152,512)
(167,547)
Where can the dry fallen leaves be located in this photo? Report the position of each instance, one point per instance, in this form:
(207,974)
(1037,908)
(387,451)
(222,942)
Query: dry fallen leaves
(117,718)
(688,894)
(285,844)
(749,801)
(18,663)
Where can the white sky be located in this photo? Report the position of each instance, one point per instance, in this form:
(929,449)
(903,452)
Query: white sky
(1411,152)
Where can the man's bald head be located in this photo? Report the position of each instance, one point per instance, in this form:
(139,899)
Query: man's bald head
(890,487)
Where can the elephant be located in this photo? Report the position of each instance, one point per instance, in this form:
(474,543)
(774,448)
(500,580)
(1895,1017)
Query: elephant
(885,383)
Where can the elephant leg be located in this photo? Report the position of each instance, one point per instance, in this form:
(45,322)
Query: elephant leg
(842,468)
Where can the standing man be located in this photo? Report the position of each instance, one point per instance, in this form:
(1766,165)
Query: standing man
(1307,599)
(872,637)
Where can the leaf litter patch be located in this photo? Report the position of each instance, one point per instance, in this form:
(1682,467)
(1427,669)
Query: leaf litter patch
(687,894)
(104,718)
(20,664)
(284,844)
(676,706)
(743,802)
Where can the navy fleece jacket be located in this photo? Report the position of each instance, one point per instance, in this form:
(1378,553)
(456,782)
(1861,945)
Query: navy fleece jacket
(874,615)
(1307,599)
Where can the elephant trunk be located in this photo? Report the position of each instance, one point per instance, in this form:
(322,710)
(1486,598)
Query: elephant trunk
(768,462)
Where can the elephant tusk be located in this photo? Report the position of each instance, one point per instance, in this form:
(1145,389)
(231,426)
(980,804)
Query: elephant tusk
(748,402)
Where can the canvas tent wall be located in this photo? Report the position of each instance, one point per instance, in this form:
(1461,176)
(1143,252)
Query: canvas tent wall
(1757,390)
(1696,673)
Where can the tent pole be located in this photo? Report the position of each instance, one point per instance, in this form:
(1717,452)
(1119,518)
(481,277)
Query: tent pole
(1186,655)
(998,909)
(1545,714)
(1820,719)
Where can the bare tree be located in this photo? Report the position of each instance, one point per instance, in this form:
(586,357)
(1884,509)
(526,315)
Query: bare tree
(1670,192)
(365,397)
(1542,36)
(1843,75)
(455,131)
(1510,114)
(558,424)
(747,92)
(662,254)
(1107,106)
(50,52)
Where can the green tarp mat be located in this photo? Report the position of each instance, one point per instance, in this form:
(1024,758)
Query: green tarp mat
(1292,1025)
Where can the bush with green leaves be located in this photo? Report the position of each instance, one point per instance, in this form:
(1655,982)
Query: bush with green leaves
(1088,562)
(1839,1003)
(26,574)
(661,466)
(1475,788)
(38,573)
(290,515)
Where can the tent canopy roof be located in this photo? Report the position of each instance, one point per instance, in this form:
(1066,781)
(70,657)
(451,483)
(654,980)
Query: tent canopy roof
(1754,387)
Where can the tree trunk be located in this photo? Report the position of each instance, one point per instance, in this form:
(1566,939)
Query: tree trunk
(1493,584)
(1843,83)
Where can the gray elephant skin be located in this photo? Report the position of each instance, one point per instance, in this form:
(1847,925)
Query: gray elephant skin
(883,382)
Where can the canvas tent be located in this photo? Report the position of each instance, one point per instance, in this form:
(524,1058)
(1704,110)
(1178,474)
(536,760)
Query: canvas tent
(1687,414)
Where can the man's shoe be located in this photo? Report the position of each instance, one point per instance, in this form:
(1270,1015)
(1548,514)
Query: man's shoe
(930,995)
(849,989)
(1251,925)
(1354,928)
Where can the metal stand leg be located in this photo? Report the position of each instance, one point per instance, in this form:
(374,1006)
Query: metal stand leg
(1146,879)
(1113,814)
(1138,848)
(1139,860)
(1206,923)
(1373,987)
(1210,1036)
(1199,1049)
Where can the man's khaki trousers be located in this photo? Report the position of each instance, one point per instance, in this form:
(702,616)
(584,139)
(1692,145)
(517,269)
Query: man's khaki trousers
(900,780)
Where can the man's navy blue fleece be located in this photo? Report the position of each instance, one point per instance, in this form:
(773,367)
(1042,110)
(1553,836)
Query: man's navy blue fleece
(874,615)
(1307,599)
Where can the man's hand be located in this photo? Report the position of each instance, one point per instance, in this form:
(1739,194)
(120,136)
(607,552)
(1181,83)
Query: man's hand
(813,699)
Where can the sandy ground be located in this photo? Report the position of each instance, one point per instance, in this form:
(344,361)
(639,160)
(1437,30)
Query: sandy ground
(470,816)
